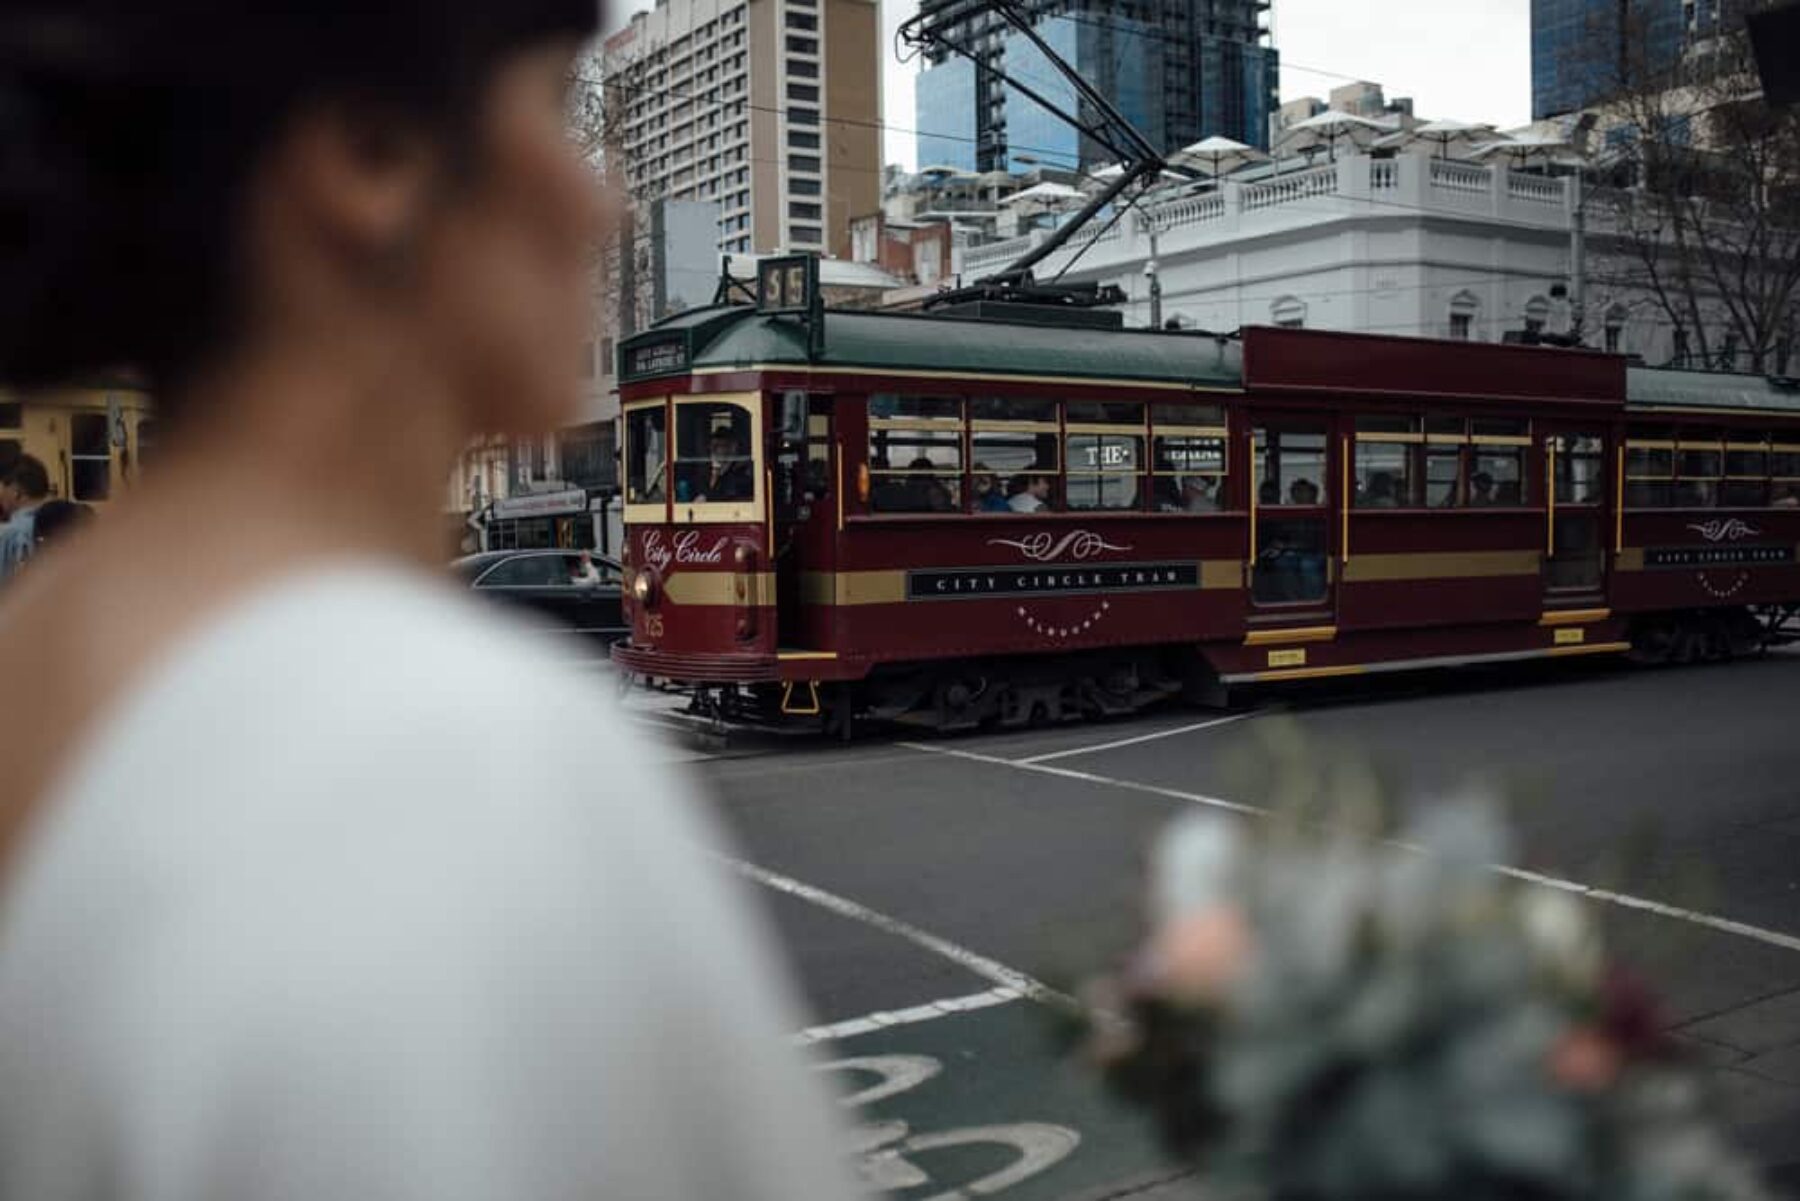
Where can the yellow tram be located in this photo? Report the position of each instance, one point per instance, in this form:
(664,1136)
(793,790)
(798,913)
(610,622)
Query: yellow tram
(93,437)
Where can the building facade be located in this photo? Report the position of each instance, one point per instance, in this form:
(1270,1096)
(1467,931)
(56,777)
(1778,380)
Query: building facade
(768,108)
(1179,70)
(1414,245)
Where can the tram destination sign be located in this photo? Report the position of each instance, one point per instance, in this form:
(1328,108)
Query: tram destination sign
(663,356)
(974,583)
(1717,556)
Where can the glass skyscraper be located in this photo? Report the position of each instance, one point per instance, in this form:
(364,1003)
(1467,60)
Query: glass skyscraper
(1583,51)
(1178,70)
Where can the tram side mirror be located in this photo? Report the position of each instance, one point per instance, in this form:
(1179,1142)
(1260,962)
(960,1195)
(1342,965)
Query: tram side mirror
(793,418)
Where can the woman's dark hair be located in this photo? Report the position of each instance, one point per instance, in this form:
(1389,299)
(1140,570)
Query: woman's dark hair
(128,131)
(56,519)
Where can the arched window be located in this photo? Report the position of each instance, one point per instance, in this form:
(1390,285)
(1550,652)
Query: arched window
(1537,314)
(1289,312)
(1463,308)
(1615,328)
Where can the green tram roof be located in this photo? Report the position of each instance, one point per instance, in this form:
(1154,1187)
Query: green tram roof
(740,338)
(1663,388)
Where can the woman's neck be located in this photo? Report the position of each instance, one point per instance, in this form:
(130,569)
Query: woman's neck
(318,459)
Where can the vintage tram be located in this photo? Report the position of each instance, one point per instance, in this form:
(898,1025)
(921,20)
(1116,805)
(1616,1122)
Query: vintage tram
(971,518)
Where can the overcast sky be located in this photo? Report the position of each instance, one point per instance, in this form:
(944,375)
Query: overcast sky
(1469,59)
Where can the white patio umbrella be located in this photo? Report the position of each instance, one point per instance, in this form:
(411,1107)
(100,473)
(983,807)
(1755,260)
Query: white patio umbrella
(1218,155)
(1549,148)
(1465,135)
(1329,128)
(1048,193)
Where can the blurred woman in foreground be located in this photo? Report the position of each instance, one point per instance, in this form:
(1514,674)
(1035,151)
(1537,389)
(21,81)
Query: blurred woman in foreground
(297,901)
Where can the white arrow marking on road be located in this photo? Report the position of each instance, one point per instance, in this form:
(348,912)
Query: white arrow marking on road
(981,965)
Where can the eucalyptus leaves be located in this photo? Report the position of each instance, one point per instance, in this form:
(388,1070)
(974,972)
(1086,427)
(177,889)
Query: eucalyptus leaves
(1330,1007)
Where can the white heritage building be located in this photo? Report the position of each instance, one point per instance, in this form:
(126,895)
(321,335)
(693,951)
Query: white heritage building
(1413,244)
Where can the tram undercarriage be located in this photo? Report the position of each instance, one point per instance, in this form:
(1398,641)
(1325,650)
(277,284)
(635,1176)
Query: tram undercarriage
(1001,693)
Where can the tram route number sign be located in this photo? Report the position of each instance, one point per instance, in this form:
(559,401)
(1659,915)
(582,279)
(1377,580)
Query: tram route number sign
(975,583)
(1717,556)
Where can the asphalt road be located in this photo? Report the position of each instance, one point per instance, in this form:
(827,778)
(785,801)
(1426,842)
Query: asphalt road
(1677,788)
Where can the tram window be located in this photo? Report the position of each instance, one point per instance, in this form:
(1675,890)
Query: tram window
(1744,494)
(818,447)
(1701,456)
(1498,478)
(918,408)
(1191,416)
(1580,469)
(915,454)
(1387,424)
(1746,460)
(713,453)
(1104,470)
(915,471)
(1104,454)
(1649,494)
(1649,462)
(1190,472)
(1290,561)
(1009,438)
(1384,476)
(1385,462)
(646,454)
(1290,468)
(1443,476)
(90,456)
(1500,427)
(1006,409)
(1784,462)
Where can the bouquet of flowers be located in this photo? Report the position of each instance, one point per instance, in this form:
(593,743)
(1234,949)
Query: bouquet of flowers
(1330,1008)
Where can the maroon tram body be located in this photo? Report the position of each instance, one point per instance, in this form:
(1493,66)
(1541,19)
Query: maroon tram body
(1187,513)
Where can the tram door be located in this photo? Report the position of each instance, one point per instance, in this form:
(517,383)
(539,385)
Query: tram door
(1576,514)
(1290,510)
(805,508)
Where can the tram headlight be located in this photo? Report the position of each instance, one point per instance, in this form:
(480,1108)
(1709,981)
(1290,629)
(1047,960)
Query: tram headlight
(643,588)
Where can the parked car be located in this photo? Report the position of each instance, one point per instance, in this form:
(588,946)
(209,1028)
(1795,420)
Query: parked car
(545,583)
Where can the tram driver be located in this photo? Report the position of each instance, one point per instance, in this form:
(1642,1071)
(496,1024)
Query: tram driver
(725,476)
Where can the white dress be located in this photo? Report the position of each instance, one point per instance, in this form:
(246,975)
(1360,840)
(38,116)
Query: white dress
(363,894)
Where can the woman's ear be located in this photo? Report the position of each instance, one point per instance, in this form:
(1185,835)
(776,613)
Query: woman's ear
(361,182)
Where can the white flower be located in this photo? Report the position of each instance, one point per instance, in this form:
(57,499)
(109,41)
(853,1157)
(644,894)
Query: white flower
(1194,866)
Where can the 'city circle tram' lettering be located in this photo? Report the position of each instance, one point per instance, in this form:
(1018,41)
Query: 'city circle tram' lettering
(976,582)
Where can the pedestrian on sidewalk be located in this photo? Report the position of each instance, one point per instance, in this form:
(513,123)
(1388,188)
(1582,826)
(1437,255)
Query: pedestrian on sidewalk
(296,897)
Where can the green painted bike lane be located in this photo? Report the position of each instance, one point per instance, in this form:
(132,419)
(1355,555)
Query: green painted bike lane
(982,1103)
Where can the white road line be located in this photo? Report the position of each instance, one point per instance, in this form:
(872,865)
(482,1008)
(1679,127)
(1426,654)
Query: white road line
(887,1018)
(1069,773)
(988,969)
(1123,742)
(1724,925)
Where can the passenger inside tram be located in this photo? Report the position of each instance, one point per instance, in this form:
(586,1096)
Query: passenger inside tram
(1030,493)
(1198,495)
(988,496)
(1381,492)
